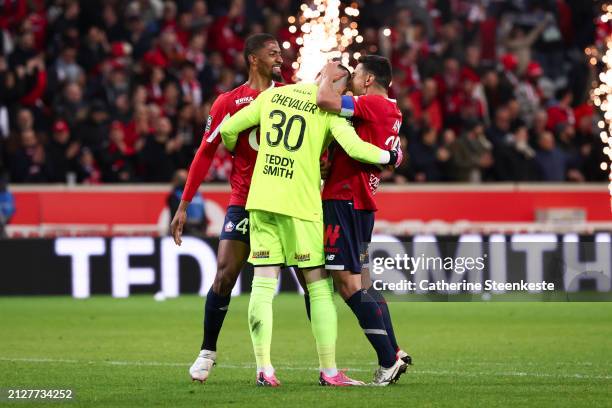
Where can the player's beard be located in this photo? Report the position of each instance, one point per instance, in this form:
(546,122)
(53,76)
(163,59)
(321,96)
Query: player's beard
(276,73)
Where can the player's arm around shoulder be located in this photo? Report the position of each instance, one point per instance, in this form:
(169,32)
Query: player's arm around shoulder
(356,148)
(347,138)
(243,119)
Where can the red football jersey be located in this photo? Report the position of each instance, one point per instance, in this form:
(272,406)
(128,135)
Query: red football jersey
(377,120)
(245,152)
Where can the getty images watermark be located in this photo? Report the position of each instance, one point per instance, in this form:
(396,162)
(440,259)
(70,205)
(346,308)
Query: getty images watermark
(497,267)
(458,265)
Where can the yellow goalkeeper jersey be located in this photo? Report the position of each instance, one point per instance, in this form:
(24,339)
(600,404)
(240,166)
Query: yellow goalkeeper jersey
(293,134)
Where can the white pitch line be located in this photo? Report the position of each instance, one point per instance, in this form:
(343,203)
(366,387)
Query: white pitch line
(304,368)
(516,374)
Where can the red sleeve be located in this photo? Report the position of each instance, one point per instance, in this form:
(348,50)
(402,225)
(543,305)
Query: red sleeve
(436,118)
(365,108)
(206,152)
(13,14)
(37,91)
(555,116)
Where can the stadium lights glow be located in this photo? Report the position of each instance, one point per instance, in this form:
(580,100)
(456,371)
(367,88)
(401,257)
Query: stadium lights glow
(325,34)
(601,95)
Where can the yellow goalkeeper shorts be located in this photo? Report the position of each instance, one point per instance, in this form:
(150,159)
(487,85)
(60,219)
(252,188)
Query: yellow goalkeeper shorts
(278,239)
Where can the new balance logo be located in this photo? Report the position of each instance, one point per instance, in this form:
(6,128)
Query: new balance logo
(332,233)
(330,257)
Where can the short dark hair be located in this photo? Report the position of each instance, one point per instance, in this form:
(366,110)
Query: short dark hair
(255,43)
(378,66)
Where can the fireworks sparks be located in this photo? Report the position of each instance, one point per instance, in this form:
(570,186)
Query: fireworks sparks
(326,31)
(600,56)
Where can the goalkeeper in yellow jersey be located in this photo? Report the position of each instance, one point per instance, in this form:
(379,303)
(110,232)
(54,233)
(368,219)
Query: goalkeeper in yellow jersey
(285,210)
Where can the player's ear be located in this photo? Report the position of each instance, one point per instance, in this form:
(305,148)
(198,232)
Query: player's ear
(252,59)
(369,80)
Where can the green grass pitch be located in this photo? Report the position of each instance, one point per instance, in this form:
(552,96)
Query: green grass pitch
(135,352)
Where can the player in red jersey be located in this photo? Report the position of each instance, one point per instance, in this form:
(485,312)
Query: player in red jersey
(263,57)
(349,205)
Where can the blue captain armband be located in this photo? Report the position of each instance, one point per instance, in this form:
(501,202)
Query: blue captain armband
(347,108)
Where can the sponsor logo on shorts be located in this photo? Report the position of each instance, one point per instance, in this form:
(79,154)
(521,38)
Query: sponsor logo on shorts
(330,257)
(302,257)
(229,227)
(261,254)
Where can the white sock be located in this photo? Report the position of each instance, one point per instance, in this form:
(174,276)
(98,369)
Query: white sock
(330,372)
(267,370)
(208,354)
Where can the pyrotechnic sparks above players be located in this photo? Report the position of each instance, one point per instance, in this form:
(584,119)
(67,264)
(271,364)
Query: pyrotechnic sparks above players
(600,56)
(326,30)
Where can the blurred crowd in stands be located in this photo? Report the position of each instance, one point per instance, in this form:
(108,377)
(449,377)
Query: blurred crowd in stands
(109,91)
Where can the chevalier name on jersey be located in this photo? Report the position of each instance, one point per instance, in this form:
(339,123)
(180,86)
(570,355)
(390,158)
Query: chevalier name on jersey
(292,103)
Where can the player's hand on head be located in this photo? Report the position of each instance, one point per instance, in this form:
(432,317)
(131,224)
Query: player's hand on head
(176,226)
(331,69)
